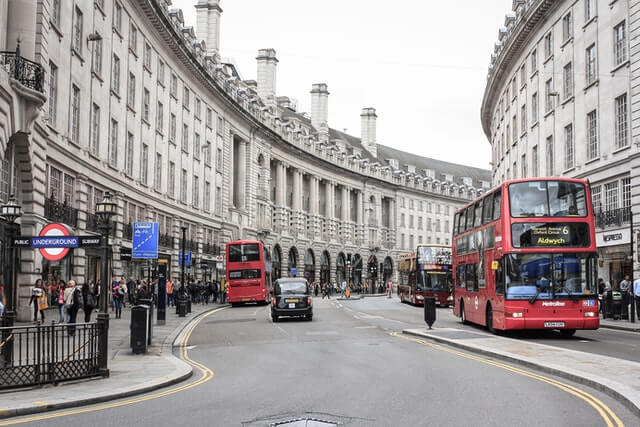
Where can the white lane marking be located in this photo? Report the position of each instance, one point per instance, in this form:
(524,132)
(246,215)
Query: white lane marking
(286,333)
(355,317)
(365,327)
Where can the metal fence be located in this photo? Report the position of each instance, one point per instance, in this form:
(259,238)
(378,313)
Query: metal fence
(613,217)
(37,355)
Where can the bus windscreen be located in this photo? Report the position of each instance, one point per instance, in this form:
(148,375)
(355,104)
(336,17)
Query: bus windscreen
(244,253)
(547,198)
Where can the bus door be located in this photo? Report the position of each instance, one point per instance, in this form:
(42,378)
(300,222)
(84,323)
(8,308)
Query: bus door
(496,286)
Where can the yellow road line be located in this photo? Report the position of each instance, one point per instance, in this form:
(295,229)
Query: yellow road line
(610,418)
(207,374)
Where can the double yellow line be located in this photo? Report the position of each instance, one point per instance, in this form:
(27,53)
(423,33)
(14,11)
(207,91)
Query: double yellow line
(609,417)
(207,374)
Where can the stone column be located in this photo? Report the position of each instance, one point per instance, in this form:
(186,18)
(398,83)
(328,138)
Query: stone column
(242,173)
(360,223)
(79,262)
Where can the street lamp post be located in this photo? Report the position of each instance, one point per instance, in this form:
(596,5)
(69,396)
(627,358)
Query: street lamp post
(11,211)
(105,209)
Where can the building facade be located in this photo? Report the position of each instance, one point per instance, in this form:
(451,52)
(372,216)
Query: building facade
(132,101)
(561,100)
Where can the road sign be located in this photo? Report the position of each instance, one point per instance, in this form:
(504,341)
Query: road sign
(219,258)
(187,258)
(145,240)
(53,241)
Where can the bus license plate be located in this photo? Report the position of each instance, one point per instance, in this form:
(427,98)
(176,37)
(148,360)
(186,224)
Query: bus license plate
(554,324)
(292,305)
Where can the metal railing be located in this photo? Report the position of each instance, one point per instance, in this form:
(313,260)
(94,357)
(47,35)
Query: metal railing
(613,218)
(211,249)
(165,240)
(28,73)
(60,212)
(37,355)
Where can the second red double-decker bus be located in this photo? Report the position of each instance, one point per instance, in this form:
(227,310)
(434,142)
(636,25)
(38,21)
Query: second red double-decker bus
(524,257)
(248,274)
(426,273)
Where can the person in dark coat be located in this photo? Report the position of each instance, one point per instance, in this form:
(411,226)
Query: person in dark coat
(90,300)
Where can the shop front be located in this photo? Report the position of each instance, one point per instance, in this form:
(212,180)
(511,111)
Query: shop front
(614,255)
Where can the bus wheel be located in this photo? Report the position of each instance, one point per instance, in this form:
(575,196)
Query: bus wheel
(489,319)
(463,317)
(235,304)
(566,333)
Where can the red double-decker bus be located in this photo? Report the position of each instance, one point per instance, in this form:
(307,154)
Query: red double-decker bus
(524,257)
(426,273)
(248,275)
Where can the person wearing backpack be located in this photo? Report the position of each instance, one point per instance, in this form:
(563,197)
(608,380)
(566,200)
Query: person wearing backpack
(73,300)
(90,300)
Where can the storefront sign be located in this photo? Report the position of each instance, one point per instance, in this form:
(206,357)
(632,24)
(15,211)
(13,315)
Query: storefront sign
(612,238)
(54,231)
(125,254)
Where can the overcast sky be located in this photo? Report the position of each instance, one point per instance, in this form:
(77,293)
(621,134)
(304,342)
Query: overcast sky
(421,64)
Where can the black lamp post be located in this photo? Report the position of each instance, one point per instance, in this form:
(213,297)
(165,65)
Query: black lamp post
(11,211)
(105,209)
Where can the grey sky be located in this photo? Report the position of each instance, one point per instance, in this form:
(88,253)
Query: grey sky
(421,63)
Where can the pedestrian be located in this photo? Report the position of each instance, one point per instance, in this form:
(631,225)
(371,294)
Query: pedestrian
(636,295)
(343,285)
(317,288)
(118,295)
(169,291)
(39,300)
(90,300)
(625,284)
(131,287)
(389,288)
(61,309)
(73,300)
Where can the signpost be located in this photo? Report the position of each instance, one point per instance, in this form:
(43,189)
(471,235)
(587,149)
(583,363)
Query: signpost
(187,258)
(145,246)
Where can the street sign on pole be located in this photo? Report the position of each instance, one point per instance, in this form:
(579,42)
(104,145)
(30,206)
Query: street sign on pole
(54,241)
(145,240)
(187,258)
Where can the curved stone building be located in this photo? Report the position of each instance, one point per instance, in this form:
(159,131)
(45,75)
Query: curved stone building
(124,97)
(560,101)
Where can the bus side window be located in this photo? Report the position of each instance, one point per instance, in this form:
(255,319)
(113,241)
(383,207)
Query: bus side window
(486,209)
(469,277)
(499,274)
(497,198)
(460,276)
(478,214)
(456,220)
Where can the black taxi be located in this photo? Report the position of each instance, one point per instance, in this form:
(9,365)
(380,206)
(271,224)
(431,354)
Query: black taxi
(291,297)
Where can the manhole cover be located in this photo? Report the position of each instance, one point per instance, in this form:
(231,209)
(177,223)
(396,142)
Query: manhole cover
(305,422)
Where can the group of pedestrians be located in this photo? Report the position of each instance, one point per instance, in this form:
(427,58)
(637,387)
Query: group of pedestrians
(628,291)
(197,291)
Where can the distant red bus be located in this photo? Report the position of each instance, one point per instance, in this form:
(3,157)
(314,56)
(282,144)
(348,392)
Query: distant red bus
(426,273)
(248,276)
(524,257)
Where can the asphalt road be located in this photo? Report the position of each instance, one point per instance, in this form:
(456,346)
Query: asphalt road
(606,342)
(345,367)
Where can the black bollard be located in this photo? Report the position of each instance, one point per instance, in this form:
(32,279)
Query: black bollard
(430,310)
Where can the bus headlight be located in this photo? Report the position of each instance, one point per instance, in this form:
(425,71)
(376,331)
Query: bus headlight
(516,314)
(450,298)
(589,314)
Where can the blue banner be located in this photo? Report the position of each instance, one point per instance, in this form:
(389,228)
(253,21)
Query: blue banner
(54,242)
(187,258)
(145,240)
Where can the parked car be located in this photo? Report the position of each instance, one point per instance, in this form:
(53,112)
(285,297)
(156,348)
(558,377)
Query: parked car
(291,297)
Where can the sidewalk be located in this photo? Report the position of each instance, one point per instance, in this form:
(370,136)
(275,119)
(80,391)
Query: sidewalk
(622,325)
(161,368)
(615,377)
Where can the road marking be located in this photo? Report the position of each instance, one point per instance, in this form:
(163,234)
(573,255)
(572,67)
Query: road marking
(365,327)
(605,412)
(287,333)
(207,374)
(40,403)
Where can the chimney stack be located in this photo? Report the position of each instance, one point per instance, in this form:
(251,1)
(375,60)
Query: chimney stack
(320,110)
(267,63)
(368,130)
(208,24)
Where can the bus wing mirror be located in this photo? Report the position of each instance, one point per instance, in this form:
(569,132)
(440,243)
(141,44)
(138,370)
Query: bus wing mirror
(495,265)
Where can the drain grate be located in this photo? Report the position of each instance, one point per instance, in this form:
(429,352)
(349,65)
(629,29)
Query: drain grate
(305,422)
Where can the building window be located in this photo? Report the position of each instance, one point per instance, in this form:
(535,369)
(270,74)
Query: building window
(596,198)
(207,197)
(160,118)
(196,193)
(186,97)
(133,39)
(219,160)
(95,129)
(619,44)
(592,135)
(55,12)
(161,72)
(402,222)
(173,89)
(147,56)
(515,128)
(218,201)
(113,143)
(589,9)
(53,92)
(171,179)
(209,118)
(157,176)
(622,139)
(611,196)
(144,164)
(534,161)
(117,16)
(196,145)
(567,79)
(523,75)
(548,45)
(131,92)
(55,183)
(128,155)
(626,192)
(569,147)
(172,128)
(185,138)
(515,170)
(115,74)
(220,128)
(514,88)
(523,166)
(534,107)
(75,114)
(183,186)
(77,30)
(523,118)
(590,64)
(207,154)
(96,60)
(567,27)
(534,60)
(549,95)
(508,135)
(145,104)
(197,111)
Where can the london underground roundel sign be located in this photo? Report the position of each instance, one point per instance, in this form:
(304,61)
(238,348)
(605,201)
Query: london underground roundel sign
(54,230)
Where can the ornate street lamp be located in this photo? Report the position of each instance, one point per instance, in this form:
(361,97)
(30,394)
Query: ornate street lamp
(105,209)
(11,211)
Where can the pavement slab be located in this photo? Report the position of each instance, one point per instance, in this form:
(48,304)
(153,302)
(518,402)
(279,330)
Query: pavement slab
(617,378)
